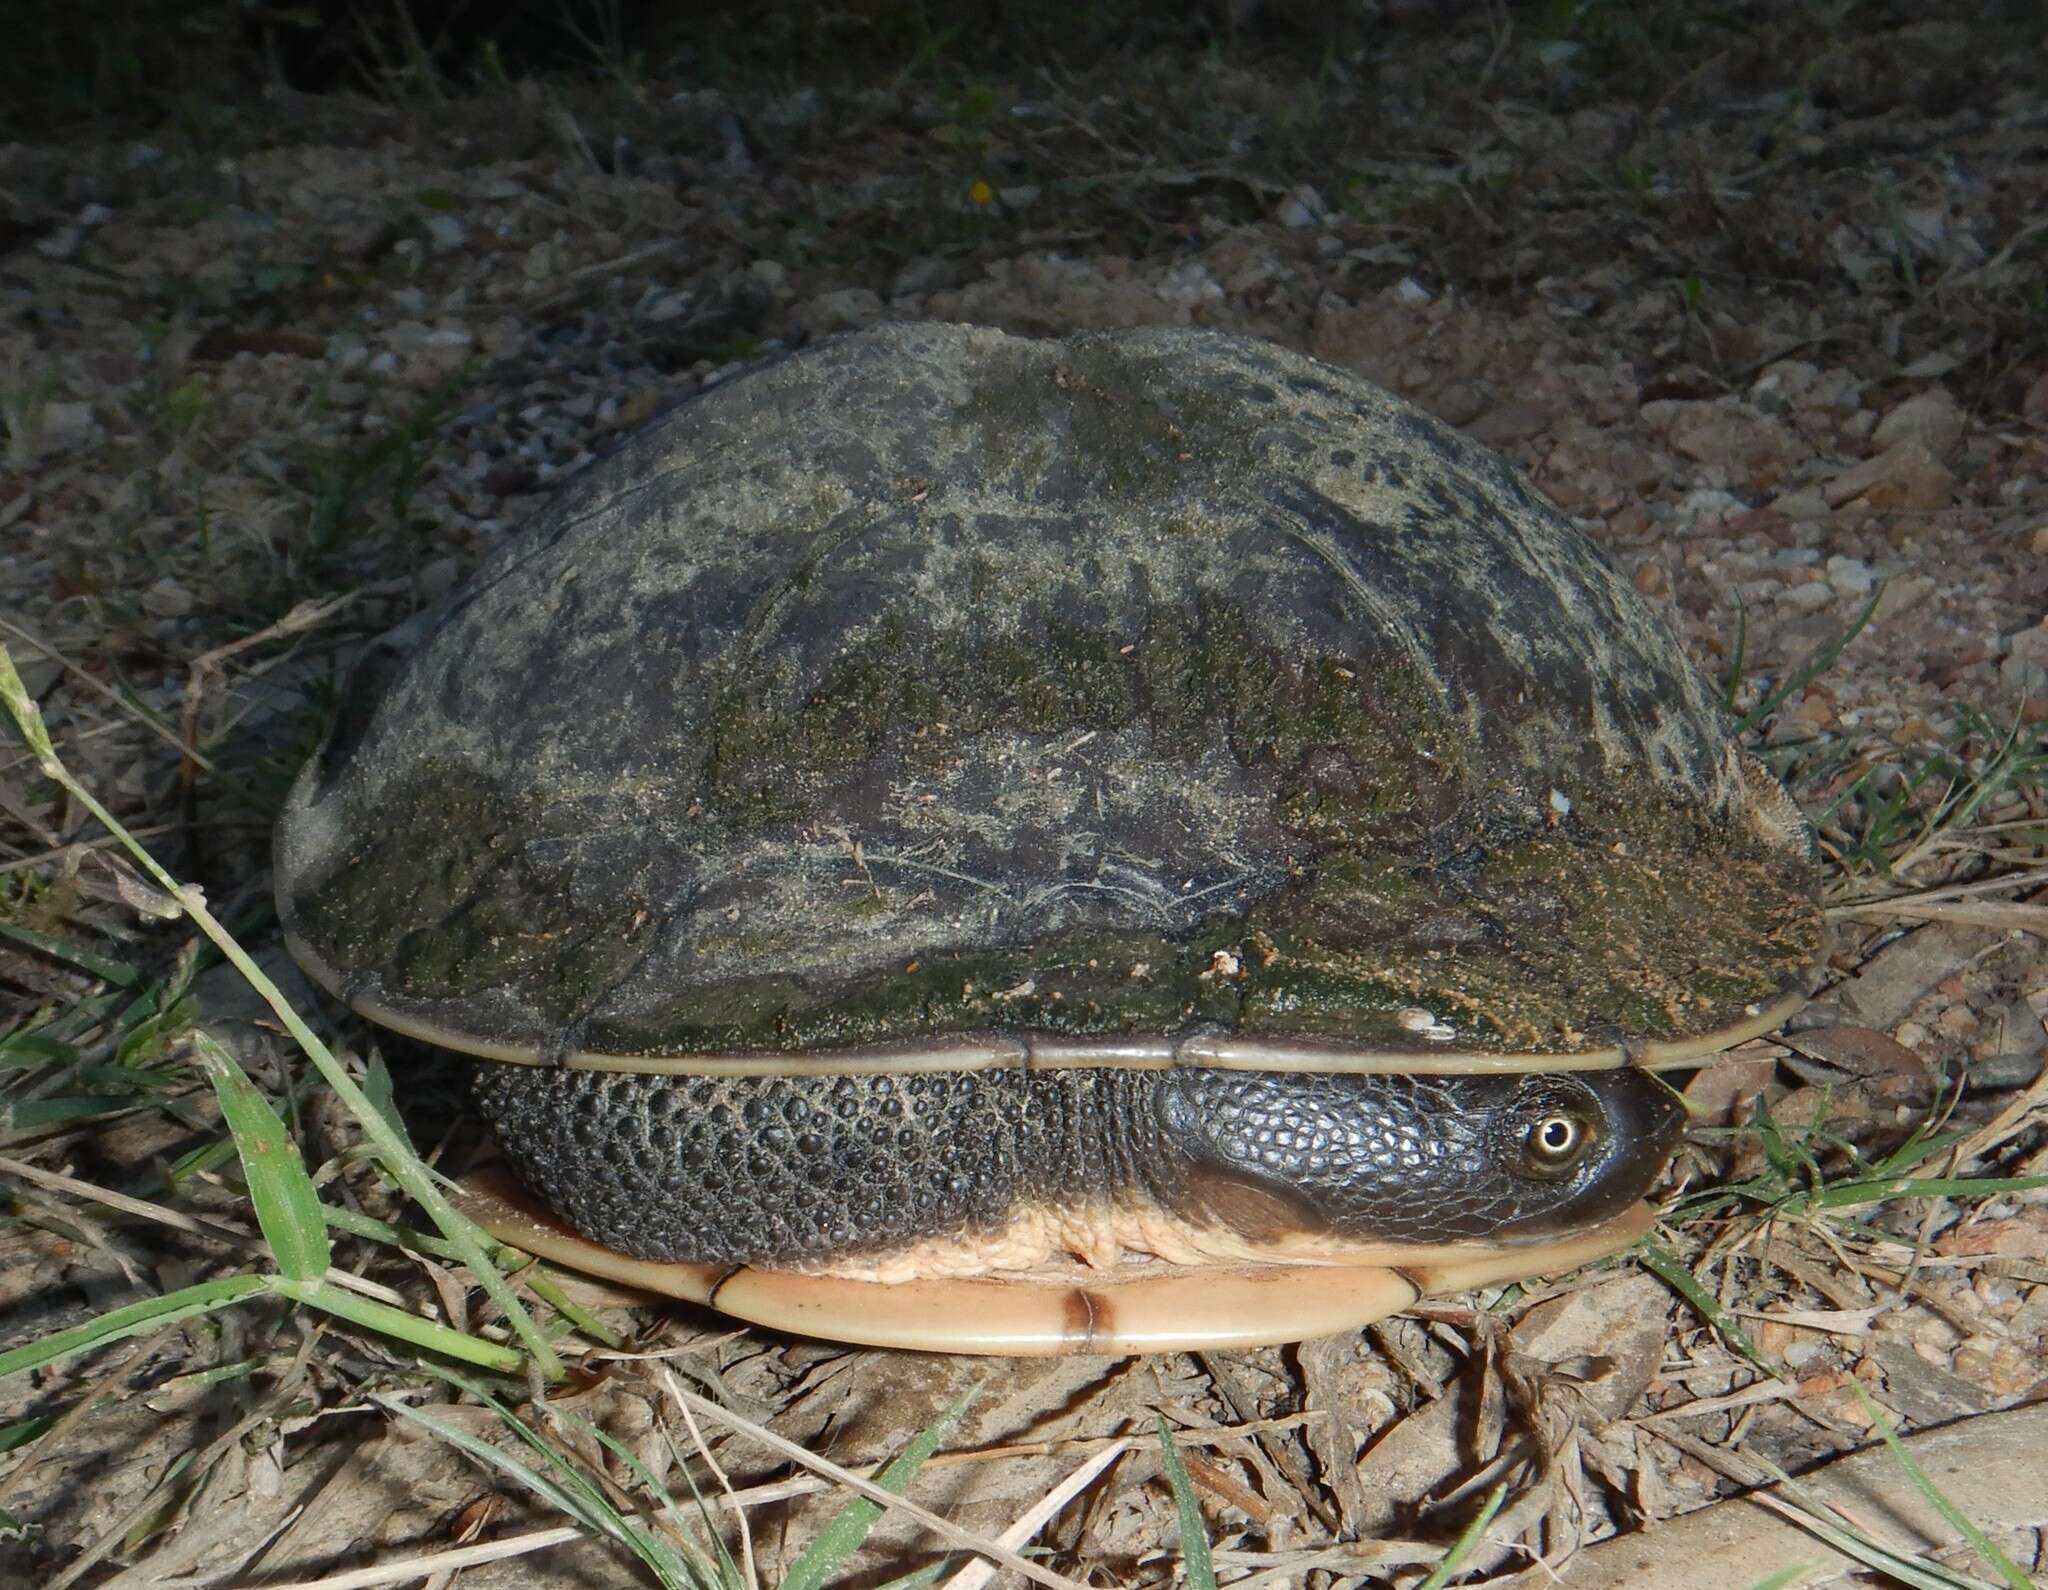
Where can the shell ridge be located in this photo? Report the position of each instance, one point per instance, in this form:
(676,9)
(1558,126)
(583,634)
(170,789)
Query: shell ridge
(536,536)
(826,546)
(1362,593)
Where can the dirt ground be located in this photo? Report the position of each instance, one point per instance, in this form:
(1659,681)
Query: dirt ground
(1757,294)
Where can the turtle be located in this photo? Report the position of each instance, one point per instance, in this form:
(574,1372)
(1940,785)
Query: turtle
(970,842)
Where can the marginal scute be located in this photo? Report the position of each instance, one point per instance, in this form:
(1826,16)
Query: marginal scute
(934,681)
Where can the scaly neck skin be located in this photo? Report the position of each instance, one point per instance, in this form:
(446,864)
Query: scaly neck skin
(1001,1169)
(1391,1158)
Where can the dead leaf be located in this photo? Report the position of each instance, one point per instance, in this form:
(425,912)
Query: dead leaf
(1860,1051)
(1883,1065)
(1609,1336)
(1891,982)
(2009,1239)
(1720,1094)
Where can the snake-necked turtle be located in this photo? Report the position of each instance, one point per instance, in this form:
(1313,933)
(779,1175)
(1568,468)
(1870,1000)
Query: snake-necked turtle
(1011,845)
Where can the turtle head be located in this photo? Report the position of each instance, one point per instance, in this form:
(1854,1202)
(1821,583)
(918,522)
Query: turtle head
(1412,1160)
(1570,1149)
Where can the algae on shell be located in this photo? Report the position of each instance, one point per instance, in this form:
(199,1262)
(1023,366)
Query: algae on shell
(934,680)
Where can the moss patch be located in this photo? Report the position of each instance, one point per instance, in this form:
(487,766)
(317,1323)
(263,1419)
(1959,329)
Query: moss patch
(1090,983)
(1085,639)
(1626,919)
(1632,915)
(1364,749)
(1127,438)
(444,899)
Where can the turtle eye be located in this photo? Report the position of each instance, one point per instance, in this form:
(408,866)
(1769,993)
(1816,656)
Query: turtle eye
(1555,1141)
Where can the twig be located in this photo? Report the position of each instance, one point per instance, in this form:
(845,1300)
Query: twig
(392,1149)
(206,671)
(1283,1458)
(72,1417)
(161,731)
(732,1505)
(178,1220)
(978,1544)
(1041,1512)
(104,842)
(1969,913)
(1187,1435)
(153,1498)
(2006,1123)
(1951,891)
(427,1564)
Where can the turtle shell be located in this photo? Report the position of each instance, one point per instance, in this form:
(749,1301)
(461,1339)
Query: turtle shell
(945,804)
(934,699)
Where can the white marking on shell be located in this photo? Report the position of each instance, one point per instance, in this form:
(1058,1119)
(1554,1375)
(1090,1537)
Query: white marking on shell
(1424,1023)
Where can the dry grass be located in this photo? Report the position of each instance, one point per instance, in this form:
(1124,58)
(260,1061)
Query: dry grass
(318,355)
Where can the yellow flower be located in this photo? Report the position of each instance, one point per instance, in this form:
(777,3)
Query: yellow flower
(982,193)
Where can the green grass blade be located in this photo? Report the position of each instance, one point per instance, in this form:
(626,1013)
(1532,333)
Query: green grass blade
(1817,662)
(119,973)
(1917,1149)
(1817,1519)
(931,1573)
(543,1287)
(577,1494)
(1733,687)
(1461,1548)
(396,1322)
(199,1379)
(354,1224)
(842,1535)
(701,1567)
(23,1431)
(538,1278)
(1850,1193)
(119,1081)
(22,1050)
(729,1571)
(135,1319)
(391,1148)
(1784,1576)
(28,720)
(155,1035)
(61,1110)
(1984,1546)
(207,1157)
(575,1497)
(378,1090)
(1661,1262)
(1187,1514)
(287,1204)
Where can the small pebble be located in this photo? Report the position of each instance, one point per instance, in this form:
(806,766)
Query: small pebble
(1851,576)
(1809,597)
